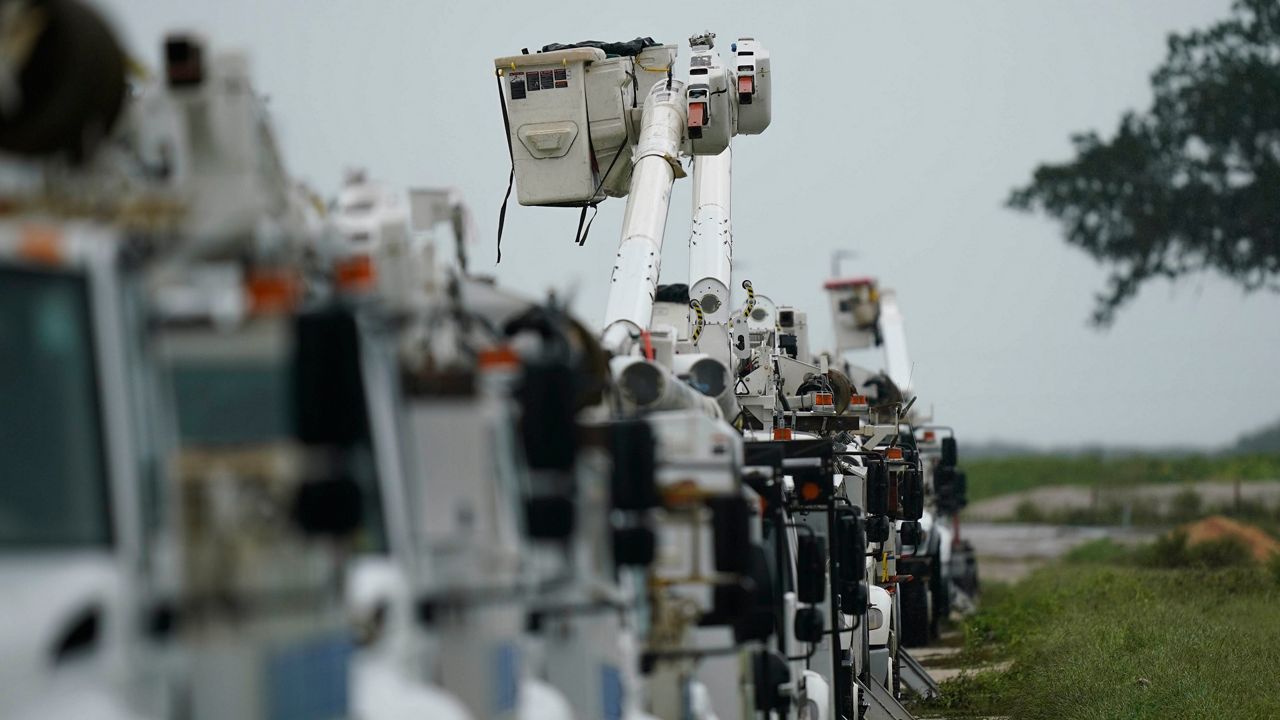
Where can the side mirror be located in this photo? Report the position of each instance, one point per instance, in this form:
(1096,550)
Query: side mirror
(548,417)
(878,529)
(811,570)
(730,602)
(748,605)
(949,454)
(912,491)
(634,483)
(808,625)
(328,388)
(910,533)
(852,541)
(634,546)
(731,530)
(769,673)
(760,619)
(550,517)
(855,597)
(944,485)
(328,507)
(877,488)
(852,544)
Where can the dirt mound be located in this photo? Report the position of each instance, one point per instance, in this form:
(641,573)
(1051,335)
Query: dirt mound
(1216,527)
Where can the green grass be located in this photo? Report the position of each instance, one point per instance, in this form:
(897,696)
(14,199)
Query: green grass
(1113,633)
(1001,476)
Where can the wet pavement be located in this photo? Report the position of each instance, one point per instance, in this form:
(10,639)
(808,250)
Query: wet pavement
(1007,552)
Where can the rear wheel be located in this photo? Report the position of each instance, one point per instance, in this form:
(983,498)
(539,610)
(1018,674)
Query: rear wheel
(916,615)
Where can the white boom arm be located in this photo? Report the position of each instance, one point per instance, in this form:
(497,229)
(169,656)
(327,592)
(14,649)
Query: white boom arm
(639,259)
(711,252)
(711,241)
(893,330)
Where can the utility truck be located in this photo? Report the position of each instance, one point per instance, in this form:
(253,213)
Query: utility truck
(149,580)
(939,564)
(593,120)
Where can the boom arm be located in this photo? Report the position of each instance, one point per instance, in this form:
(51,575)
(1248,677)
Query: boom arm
(892,329)
(711,246)
(639,258)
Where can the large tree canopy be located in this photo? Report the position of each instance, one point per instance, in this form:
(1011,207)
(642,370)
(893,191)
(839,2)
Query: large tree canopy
(1193,183)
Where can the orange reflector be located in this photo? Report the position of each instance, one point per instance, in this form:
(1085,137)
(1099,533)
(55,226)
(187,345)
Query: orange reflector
(782,433)
(354,273)
(824,398)
(746,84)
(697,114)
(272,291)
(41,244)
(894,453)
(857,399)
(810,491)
(497,358)
(929,436)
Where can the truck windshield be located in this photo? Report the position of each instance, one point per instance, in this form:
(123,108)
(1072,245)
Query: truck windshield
(232,403)
(53,477)
(246,402)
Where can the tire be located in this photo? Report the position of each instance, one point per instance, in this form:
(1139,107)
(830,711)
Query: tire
(916,615)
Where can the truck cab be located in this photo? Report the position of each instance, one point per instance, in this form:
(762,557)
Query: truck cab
(81,458)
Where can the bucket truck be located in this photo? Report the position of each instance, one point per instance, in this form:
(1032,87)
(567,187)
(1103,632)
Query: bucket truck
(76,454)
(866,316)
(574,112)
(76,448)
(796,405)
(277,386)
(198,576)
(152,582)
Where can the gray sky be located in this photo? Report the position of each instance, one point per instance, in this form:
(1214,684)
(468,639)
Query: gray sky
(898,130)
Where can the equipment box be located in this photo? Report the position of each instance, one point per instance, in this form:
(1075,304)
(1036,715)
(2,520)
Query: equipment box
(546,99)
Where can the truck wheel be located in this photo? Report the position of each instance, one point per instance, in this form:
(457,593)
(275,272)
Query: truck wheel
(916,617)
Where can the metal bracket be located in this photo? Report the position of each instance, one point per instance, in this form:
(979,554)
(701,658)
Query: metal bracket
(916,677)
(882,705)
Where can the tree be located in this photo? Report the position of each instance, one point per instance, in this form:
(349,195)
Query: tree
(1193,183)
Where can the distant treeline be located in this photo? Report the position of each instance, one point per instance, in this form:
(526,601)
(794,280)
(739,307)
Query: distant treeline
(992,476)
(1265,440)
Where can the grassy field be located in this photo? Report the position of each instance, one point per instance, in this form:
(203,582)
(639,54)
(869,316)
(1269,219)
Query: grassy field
(1162,632)
(999,476)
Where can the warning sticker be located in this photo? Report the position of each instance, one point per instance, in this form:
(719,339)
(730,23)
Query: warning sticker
(535,80)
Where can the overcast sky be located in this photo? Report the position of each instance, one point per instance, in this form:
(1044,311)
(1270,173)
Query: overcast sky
(898,130)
